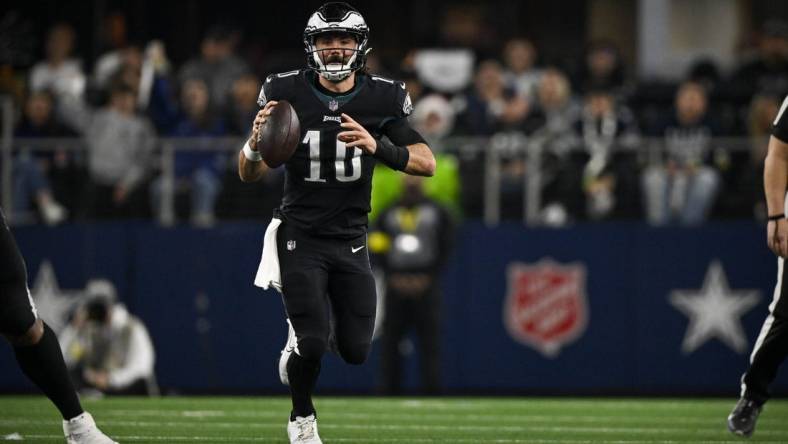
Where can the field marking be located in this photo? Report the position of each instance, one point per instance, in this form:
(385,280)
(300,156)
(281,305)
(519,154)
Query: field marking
(422,428)
(398,440)
(478,417)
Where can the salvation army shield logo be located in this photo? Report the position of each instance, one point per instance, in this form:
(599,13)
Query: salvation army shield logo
(546,304)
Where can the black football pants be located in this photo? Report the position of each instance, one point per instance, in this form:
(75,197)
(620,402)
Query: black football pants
(17,312)
(327,289)
(771,347)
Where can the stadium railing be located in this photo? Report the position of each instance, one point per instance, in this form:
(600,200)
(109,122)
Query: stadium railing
(487,154)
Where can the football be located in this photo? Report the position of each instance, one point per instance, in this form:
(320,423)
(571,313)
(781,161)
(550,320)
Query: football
(280,134)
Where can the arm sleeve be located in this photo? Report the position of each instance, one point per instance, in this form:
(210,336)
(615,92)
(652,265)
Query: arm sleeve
(780,125)
(400,132)
(139,360)
(397,128)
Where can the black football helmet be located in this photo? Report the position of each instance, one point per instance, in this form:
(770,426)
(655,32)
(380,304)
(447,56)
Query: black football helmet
(336,17)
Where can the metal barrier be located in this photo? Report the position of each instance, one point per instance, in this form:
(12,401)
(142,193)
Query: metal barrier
(495,151)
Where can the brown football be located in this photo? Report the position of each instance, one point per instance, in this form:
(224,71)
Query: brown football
(280,135)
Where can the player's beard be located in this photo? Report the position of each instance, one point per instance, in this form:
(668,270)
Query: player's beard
(334,61)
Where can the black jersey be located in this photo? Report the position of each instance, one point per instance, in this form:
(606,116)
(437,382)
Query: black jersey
(780,125)
(327,185)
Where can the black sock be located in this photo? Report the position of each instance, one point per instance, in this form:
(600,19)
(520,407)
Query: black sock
(43,364)
(302,374)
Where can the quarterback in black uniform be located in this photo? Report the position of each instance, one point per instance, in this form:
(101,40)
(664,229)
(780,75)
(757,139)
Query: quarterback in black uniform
(350,120)
(771,348)
(35,344)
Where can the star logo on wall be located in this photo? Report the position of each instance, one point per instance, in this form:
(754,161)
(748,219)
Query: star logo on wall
(52,302)
(714,311)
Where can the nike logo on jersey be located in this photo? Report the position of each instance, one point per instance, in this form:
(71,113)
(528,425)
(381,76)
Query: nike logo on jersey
(356,249)
(337,119)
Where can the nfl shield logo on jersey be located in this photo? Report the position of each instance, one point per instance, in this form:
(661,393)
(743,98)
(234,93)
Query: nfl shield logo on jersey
(291,244)
(546,304)
(333,105)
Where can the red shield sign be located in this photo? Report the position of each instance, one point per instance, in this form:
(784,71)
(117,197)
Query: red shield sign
(546,304)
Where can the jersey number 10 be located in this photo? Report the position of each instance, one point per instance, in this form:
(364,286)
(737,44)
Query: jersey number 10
(313,139)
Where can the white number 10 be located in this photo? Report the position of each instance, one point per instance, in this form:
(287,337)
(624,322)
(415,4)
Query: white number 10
(313,139)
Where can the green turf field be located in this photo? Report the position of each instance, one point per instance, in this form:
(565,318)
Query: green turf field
(400,420)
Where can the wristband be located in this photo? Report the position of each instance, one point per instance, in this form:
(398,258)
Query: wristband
(777,217)
(251,155)
(396,157)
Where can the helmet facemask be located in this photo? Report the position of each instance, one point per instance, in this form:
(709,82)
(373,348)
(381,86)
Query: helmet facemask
(336,18)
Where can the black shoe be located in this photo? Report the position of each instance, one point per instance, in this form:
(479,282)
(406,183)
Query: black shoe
(742,419)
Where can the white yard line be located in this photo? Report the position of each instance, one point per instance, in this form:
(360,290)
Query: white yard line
(474,417)
(600,430)
(395,440)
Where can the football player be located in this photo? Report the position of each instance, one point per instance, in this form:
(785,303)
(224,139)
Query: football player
(350,120)
(771,347)
(36,347)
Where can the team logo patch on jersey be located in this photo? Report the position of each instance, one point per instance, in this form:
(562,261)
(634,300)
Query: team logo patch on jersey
(337,119)
(291,245)
(407,106)
(546,304)
(333,105)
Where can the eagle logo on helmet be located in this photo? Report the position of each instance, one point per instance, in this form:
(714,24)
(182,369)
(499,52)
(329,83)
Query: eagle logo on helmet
(336,17)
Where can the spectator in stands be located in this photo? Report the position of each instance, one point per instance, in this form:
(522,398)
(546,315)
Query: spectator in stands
(603,68)
(556,112)
(433,117)
(609,136)
(413,239)
(32,170)
(124,65)
(768,69)
(685,187)
(556,106)
(120,144)
(117,50)
(106,349)
(243,104)
(198,165)
(59,72)
(521,73)
(491,107)
(218,65)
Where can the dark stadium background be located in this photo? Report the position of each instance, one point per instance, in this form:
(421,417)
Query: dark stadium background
(633,341)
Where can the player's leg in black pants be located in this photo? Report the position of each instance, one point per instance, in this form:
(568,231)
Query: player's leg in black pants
(771,349)
(769,353)
(304,283)
(35,344)
(351,288)
(353,301)
(395,325)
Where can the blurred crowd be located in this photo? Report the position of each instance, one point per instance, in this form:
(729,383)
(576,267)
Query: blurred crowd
(600,143)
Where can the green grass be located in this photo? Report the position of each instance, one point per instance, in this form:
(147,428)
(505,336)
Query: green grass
(400,420)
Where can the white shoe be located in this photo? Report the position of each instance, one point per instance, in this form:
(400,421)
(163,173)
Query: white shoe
(290,346)
(83,430)
(303,430)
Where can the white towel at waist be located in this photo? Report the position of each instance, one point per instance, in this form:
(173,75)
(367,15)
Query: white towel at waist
(268,274)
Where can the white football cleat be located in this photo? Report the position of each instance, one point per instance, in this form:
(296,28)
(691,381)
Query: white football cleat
(290,346)
(303,430)
(83,430)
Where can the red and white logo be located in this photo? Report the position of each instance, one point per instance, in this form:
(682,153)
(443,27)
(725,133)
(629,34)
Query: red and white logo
(546,304)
